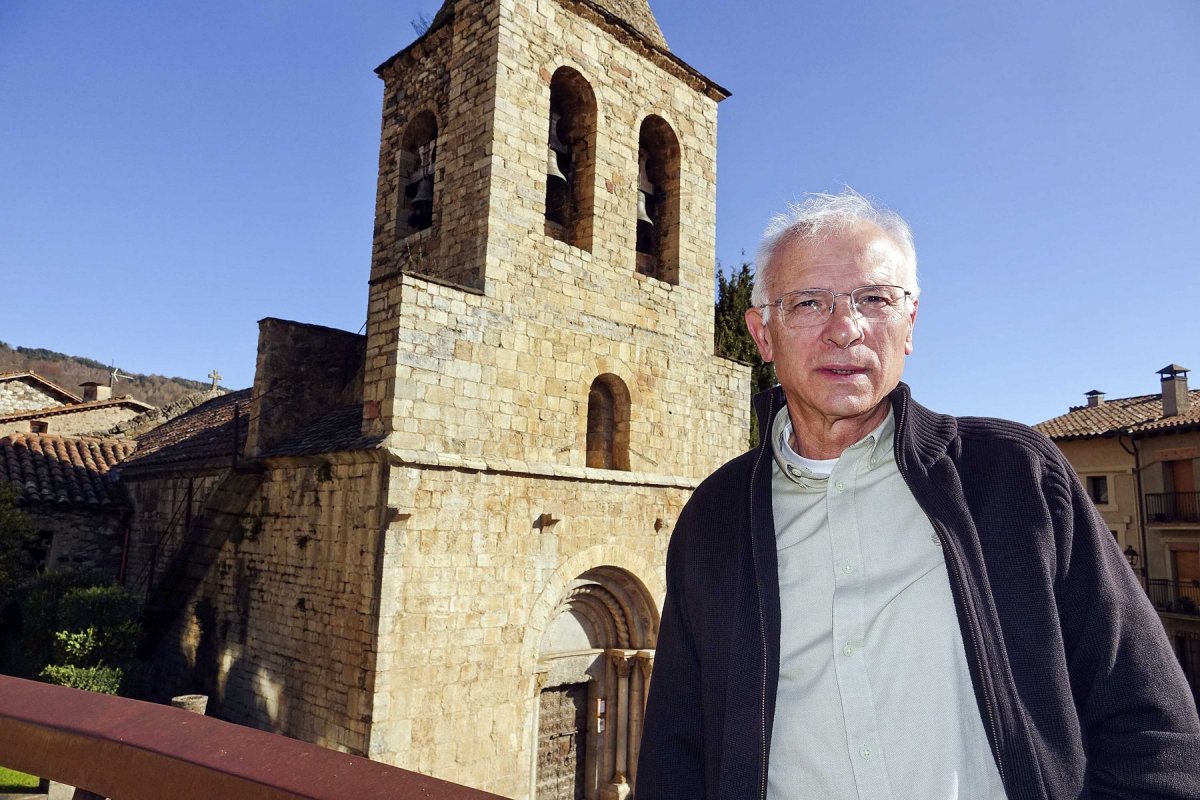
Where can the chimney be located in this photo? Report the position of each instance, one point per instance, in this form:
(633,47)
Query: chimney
(1095,398)
(93,391)
(1174,390)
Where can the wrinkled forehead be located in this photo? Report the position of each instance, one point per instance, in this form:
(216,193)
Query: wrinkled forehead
(859,255)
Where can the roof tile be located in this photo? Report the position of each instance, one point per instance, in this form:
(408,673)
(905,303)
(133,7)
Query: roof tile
(206,432)
(62,469)
(1142,414)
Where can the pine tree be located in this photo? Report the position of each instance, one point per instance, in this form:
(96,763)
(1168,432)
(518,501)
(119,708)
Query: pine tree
(733,340)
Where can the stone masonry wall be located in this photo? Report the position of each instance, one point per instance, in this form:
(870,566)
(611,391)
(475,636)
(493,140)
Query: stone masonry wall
(17,396)
(76,422)
(160,505)
(470,585)
(280,632)
(80,538)
(302,372)
(475,383)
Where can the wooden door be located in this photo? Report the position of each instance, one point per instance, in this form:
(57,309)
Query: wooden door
(562,740)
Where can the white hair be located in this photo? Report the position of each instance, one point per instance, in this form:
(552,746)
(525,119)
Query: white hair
(821,216)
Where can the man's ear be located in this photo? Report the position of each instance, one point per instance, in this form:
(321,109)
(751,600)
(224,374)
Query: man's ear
(912,321)
(760,333)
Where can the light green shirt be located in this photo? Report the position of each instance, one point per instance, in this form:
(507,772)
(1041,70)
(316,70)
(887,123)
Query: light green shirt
(874,696)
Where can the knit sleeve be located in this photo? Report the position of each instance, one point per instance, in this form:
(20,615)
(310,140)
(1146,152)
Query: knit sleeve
(1136,711)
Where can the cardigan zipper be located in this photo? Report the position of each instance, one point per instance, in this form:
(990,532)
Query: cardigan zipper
(764,434)
(954,570)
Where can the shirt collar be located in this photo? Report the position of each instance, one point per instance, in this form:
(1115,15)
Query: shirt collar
(877,444)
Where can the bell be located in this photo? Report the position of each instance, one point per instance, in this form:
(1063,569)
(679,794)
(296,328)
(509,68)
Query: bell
(643,213)
(552,168)
(645,189)
(424,195)
(557,144)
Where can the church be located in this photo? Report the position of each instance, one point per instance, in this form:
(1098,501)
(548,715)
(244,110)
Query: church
(441,543)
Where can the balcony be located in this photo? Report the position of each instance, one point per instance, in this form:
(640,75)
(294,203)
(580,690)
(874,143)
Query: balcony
(1175,596)
(114,747)
(1173,507)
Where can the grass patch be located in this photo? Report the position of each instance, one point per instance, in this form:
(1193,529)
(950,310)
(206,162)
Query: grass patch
(13,781)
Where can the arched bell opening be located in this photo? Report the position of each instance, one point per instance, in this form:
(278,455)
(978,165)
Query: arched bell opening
(595,661)
(570,159)
(657,246)
(417,161)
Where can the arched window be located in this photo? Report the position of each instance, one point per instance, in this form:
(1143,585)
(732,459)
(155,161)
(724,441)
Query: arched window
(570,159)
(658,201)
(608,423)
(417,162)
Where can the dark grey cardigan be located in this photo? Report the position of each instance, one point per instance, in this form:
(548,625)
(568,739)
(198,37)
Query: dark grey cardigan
(1079,691)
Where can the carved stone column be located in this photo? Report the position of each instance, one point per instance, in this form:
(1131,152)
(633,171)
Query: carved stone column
(618,788)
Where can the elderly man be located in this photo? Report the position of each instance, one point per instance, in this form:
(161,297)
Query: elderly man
(884,602)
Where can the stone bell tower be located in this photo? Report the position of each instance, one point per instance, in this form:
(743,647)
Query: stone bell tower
(540,364)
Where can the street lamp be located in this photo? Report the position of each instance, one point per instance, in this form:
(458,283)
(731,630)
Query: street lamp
(1132,556)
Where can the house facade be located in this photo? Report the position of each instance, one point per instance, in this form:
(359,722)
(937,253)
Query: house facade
(31,404)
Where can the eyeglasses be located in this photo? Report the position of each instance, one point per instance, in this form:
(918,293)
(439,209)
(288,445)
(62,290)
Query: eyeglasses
(805,307)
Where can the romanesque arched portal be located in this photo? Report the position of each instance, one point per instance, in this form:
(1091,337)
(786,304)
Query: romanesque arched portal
(594,665)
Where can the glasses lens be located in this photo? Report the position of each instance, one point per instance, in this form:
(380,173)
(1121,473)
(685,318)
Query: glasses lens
(808,307)
(878,302)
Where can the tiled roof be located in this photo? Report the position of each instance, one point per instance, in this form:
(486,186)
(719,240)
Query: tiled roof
(136,427)
(76,408)
(71,397)
(336,431)
(61,469)
(206,432)
(1137,414)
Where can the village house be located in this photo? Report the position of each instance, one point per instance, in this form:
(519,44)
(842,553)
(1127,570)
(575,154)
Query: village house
(67,491)
(31,404)
(1137,458)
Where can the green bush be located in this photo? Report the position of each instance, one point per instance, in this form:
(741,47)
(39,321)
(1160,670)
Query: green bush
(38,615)
(19,544)
(107,680)
(97,624)
(80,632)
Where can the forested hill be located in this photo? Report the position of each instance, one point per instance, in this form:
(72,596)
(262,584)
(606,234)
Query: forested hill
(70,371)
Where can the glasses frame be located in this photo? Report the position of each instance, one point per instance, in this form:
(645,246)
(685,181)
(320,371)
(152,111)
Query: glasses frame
(854,312)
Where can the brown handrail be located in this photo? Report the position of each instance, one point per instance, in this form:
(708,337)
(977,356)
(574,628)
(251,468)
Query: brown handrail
(131,750)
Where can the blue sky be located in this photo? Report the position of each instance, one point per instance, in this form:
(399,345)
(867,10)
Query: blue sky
(172,172)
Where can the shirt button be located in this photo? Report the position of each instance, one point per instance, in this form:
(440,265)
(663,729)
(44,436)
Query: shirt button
(847,568)
(848,650)
(841,487)
(865,752)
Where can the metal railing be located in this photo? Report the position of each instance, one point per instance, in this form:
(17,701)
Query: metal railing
(131,750)
(1180,597)
(1173,507)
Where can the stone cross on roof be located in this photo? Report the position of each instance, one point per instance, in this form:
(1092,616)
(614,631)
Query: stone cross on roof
(216,376)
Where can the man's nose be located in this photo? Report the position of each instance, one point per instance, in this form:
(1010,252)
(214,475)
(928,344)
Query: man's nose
(842,329)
